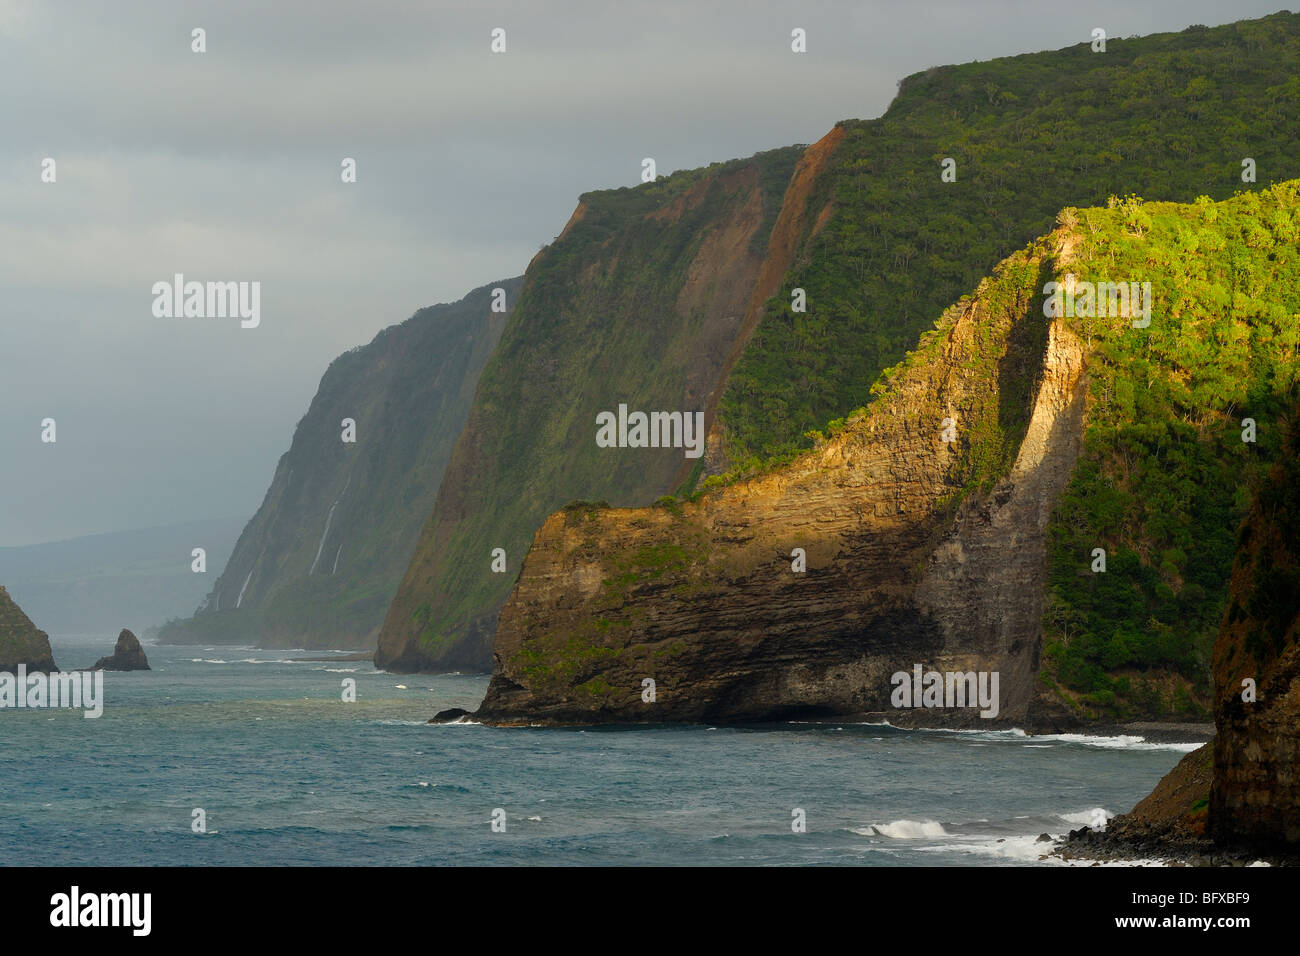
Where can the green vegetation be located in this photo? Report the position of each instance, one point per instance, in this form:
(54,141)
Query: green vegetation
(1168,116)
(1165,478)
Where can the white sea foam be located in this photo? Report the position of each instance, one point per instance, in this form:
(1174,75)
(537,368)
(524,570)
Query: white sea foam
(242,660)
(1097,818)
(1122,742)
(1119,742)
(904,830)
(1025,848)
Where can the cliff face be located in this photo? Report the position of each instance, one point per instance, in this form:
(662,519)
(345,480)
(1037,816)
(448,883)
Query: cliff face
(931,522)
(320,560)
(21,642)
(638,302)
(1255,799)
(919,551)
(879,244)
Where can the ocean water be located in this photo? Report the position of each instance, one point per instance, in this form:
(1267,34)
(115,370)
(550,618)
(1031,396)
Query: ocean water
(287,773)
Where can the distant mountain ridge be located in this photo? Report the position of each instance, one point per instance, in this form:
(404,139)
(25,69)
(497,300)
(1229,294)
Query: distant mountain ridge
(96,583)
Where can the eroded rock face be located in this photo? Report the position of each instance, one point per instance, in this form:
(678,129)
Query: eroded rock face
(21,641)
(643,299)
(1255,799)
(919,550)
(128,655)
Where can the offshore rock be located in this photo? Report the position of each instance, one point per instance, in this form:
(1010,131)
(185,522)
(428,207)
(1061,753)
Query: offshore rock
(128,655)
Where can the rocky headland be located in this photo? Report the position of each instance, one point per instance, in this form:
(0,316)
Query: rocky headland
(21,641)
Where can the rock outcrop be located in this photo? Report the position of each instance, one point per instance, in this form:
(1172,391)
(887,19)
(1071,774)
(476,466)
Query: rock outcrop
(21,642)
(1255,800)
(921,524)
(128,655)
(1171,821)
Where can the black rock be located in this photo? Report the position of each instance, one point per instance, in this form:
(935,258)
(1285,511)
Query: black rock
(1044,838)
(449,716)
(127,656)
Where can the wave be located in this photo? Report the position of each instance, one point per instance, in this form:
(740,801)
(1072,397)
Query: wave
(1111,742)
(243,660)
(1121,742)
(1097,818)
(981,832)
(903,829)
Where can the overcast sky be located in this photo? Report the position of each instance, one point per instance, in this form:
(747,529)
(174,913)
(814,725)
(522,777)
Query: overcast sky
(225,165)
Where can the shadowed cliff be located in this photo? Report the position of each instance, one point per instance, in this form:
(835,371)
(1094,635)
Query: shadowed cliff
(319,562)
(1255,799)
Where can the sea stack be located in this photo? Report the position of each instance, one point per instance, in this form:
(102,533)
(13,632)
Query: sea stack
(127,656)
(21,642)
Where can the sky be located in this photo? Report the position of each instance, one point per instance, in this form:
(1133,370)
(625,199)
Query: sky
(225,165)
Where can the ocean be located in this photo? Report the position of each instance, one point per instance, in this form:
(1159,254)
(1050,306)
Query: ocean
(285,772)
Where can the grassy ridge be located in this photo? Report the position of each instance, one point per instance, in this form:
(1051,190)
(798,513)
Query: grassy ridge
(1169,116)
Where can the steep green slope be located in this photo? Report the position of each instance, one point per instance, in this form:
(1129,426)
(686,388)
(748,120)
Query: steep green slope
(318,564)
(927,520)
(1169,117)
(636,303)
(1165,477)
